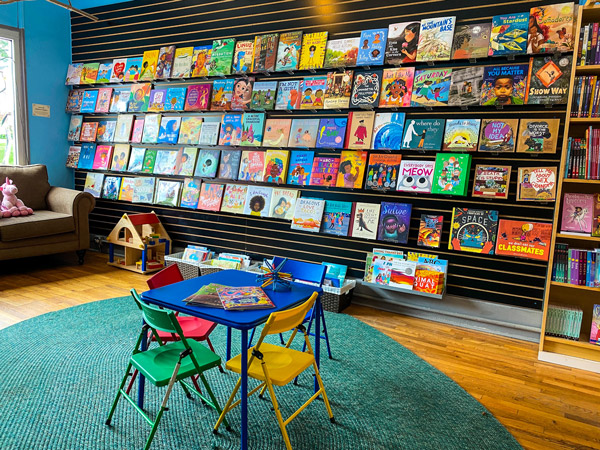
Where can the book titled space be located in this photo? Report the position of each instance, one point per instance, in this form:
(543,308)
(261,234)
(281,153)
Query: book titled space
(394,222)
(416,176)
(473,230)
(308,214)
(435,39)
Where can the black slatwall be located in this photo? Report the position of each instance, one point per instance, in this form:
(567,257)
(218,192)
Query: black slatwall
(128,29)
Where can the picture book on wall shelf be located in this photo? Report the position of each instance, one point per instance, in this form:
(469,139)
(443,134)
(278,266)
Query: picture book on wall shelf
(189,132)
(89,73)
(186,161)
(504,85)
(221,57)
(211,195)
(207,164)
(132,69)
(431,87)
(366,89)
(190,193)
(283,203)
(537,135)
(149,160)
(371,50)
(120,158)
(143,189)
(104,72)
(276,163)
(288,95)
(103,157)
(596,216)
(73,156)
(387,131)
(365,220)
(86,156)
(165,161)
(301,163)
(126,192)
(252,166)
(536,184)
(244,298)
(471,41)
(151,128)
(88,131)
(551,28)
(509,34)
(336,218)
(112,185)
(465,86)
(359,133)
(169,130)
(156,102)
(258,201)
(351,169)
(120,100)
(423,134)
(231,129)
(74,100)
(167,192)
(313,50)
(396,87)
(303,133)
(461,134)
(524,239)
(198,97)
(394,222)
(209,133)
(265,53)
(277,132)
(164,66)
(338,90)
(435,39)
(74,74)
(253,125)
(416,176)
(230,164)
(473,230)
(498,135)
(491,181)
(139,98)
(243,57)
(549,79)
(175,99)
(88,102)
(451,173)
(242,93)
(430,231)
(149,63)
(312,92)
(103,102)
(324,171)
(118,71)
(222,90)
(201,61)
(75,128)
(93,183)
(288,51)
(182,62)
(263,95)
(234,198)
(430,275)
(577,213)
(341,53)
(402,42)
(331,133)
(382,171)
(137,131)
(308,214)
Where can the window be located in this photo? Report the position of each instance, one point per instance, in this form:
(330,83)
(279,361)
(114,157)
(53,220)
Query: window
(13,117)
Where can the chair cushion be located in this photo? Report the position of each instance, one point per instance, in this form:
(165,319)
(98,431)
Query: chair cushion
(158,364)
(192,327)
(32,182)
(41,223)
(283,364)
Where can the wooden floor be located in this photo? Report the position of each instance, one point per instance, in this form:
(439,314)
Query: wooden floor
(542,405)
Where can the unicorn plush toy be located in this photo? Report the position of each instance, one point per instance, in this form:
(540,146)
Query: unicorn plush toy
(11,205)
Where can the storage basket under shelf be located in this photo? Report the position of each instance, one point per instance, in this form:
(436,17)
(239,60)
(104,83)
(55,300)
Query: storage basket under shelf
(192,269)
(336,299)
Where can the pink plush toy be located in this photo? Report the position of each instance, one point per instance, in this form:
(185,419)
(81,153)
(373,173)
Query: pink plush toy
(11,205)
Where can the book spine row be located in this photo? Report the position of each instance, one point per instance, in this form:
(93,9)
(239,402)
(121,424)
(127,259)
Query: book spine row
(585,102)
(583,156)
(564,322)
(579,267)
(589,45)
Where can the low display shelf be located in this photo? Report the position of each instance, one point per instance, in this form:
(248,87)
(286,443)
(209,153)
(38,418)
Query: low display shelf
(406,291)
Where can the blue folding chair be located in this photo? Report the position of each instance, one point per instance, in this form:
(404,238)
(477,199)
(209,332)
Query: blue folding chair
(311,273)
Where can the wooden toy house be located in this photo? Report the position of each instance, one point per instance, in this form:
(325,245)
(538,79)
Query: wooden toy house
(145,242)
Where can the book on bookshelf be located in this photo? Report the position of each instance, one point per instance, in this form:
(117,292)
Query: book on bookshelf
(265,52)
(201,61)
(451,174)
(88,131)
(118,70)
(465,86)
(473,230)
(335,275)
(198,97)
(169,130)
(119,102)
(396,87)
(431,87)
(102,157)
(93,183)
(549,80)
(491,181)
(371,50)
(126,191)
(230,164)
(182,62)
(120,158)
(504,85)
(509,34)
(73,156)
(75,128)
(242,93)
(139,97)
(151,129)
(88,102)
(156,102)
(111,187)
(209,133)
(190,193)
(175,100)
(382,171)
(221,57)
(165,162)
(89,73)
(303,133)
(577,213)
(387,131)
(366,89)
(553,25)
(234,198)
(74,74)
(244,298)
(359,133)
(416,176)
(430,275)
(579,267)
(222,91)
(351,169)
(288,95)
(186,161)
(252,166)
(167,192)
(324,171)
(277,132)
(211,195)
(164,65)
(498,135)
(288,51)
(461,134)
(313,50)
(596,216)
(336,217)
(423,134)
(103,101)
(189,131)
(258,201)
(74,100)
(276,163)
(263,95)
(524,239)
(538,135)
(595,326)
(365,220)
(312,92)
(341,53)
(283,203)
(143,191)
(149,160)
(253,125)
(308,214)
(301,164)
(402,42)
(430,230)
(435,39)
(207,164)
(536,184)
(231,129)
(331,133)
(471,41)
(394,222)
(86,156)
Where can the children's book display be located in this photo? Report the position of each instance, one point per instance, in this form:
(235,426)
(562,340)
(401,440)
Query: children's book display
(524,239)
(491,181)
(394,222)
(538,135)
(536,184)
(430,230)
(308,214)
(336,218)
(473,230)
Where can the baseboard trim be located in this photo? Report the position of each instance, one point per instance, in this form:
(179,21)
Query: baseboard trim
(569,361)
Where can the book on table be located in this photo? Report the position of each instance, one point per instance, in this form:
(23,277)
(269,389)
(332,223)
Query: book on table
(244,298)
(206,296)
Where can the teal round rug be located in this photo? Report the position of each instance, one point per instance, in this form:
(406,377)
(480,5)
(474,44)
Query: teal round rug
(59,373)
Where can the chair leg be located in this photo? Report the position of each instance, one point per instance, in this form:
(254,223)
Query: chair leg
(227,405)
(80,255)
(130,385)
(114,405)
(281,339)
(251,337)
(325,333)
(280,420)
(212,349)
(322,388)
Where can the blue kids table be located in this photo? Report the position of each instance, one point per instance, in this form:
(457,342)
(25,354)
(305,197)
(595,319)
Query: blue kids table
(171,297)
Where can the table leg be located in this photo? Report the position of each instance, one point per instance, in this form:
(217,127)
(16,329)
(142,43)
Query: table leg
(244,390)
(228,343)
(142,378)
(317,337)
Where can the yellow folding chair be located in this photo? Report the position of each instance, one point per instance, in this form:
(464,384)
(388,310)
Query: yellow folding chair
(277,365)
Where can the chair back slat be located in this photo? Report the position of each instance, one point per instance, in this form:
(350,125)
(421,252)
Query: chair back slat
(304,271)
(282,321)
(159,319)
(169,275)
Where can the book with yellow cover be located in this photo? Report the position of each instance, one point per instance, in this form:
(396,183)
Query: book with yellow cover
(313,50)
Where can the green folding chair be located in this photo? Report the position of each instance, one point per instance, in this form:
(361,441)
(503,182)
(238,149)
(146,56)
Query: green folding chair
(166,365)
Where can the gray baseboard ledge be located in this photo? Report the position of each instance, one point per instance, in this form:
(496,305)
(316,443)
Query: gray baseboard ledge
(489,317)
